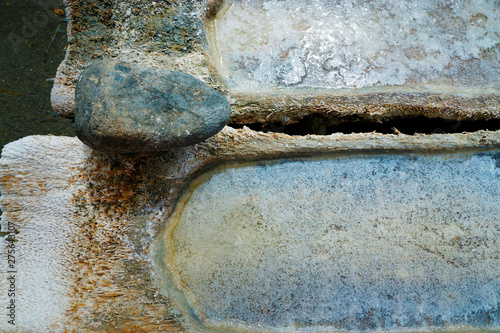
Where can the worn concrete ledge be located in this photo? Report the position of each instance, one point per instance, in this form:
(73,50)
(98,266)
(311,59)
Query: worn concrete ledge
(367,105)
(172,35)
(86,222)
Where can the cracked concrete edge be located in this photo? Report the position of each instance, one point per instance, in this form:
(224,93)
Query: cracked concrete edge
(62,96)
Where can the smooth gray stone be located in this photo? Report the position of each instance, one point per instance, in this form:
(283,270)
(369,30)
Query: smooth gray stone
(127,108)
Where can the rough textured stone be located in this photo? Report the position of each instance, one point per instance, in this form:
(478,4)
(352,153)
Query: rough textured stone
(127,108)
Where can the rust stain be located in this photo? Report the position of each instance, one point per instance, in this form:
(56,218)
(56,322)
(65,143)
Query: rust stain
(109,294)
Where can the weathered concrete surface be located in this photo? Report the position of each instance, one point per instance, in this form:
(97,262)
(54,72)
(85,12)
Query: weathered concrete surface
(87,221)
(77,259)
(111,209)
(172,35)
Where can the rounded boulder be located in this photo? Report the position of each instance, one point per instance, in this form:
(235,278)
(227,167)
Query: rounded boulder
(127,108)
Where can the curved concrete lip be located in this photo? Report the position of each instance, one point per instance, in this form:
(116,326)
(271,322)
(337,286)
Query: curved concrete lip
(191,49)
(364,60)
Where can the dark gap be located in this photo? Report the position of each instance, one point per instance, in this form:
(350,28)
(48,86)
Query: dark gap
(418,125)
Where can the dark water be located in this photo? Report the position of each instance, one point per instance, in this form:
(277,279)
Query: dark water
(27,64)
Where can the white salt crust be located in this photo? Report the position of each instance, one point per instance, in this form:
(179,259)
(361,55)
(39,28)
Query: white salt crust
(262,44)
(38,203)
